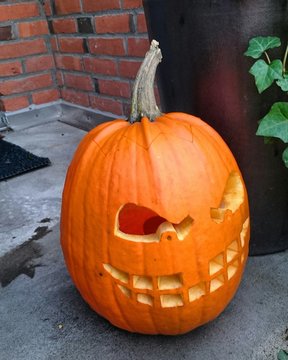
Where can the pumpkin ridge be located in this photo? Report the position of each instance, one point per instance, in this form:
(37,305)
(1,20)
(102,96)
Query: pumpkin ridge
(143,133)
(85,250)
(181,117)
(217,151)
(142,146)
(110,178)
(185,127)
(110,132)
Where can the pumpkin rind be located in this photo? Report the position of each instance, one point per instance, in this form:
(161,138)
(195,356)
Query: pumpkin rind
(178,167)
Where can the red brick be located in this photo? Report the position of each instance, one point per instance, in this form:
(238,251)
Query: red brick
(27,83)
(132,4)
(54,43)
(32,28)
(100,66)
(129,68)
(138,46)
(59,77)
(10,68)
(23,48)
(75,97)
(68,62)
(115,88)
(39,63)
(81,82)
(68,6)
(141,23)
(107,46)
(64,26)
(47,8)
(45,96)
(100,5)
(15,103)
(113,23)
(71,45)
(18,11)
(104,104)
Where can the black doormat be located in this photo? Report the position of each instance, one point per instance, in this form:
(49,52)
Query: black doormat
(15,161)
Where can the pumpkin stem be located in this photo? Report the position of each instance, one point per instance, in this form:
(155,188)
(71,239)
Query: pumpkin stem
(143,102)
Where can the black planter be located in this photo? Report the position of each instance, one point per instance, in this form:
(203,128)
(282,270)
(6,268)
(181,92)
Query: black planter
(204,73)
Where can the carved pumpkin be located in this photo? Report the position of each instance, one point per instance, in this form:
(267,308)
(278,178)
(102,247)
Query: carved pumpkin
(155,219)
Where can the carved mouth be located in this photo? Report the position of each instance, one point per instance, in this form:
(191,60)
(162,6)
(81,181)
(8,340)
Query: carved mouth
(168,291)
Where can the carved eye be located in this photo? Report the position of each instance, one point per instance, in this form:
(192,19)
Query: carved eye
(138,220)
(232,198)
(140,224)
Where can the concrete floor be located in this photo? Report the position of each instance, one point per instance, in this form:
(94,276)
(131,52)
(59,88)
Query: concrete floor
(42,316)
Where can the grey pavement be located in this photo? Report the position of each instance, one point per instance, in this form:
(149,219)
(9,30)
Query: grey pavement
(42,315)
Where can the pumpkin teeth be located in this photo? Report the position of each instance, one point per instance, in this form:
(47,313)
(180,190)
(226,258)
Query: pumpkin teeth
(216,283)
(116,274)
(170,282)
(197,291)
(168,291)
(171,300)
(142,282)
(244,232)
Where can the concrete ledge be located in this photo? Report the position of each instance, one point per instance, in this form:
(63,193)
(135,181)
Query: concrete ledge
(78,116)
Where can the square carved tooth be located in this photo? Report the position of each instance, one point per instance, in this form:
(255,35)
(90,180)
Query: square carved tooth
(244,232)
(145,299)
(172,300)
(169,282)
(232,269)
(197,291)
(117,274)
(125,291)
(232,250)
(142,282)
(216,264)
(216,283)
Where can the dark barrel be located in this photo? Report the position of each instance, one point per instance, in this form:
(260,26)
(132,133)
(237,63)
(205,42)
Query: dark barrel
(205,73)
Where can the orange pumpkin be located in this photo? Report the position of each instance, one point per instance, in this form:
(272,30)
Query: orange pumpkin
(155,218)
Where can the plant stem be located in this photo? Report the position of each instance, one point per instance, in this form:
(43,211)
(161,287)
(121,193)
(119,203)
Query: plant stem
(285,61)
(267,57)
(143,102)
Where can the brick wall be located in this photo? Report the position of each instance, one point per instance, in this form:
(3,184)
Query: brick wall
(97,45)
(27,70)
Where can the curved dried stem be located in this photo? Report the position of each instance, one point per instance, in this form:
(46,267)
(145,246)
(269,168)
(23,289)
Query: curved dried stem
(143,99)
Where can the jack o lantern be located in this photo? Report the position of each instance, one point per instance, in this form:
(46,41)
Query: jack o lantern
(155,218)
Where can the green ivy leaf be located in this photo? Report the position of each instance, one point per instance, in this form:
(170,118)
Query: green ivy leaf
(283,84)
(259,44)
(282,355)
(285,159)
(265,73)
(275,123)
